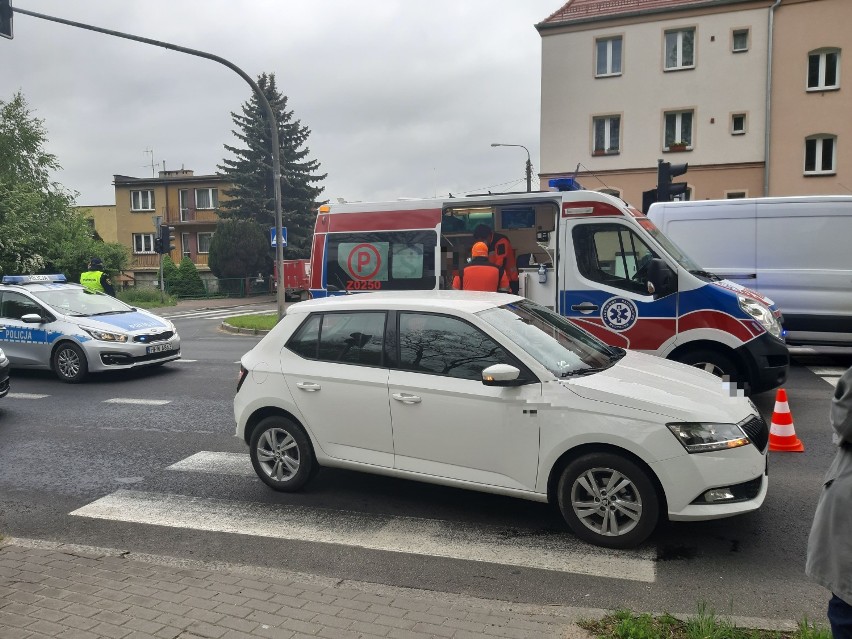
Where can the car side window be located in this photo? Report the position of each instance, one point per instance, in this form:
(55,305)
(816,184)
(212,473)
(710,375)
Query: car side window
(15,306)
(614,255)
(443,345)
(305,340)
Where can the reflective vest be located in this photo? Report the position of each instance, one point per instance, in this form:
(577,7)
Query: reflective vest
(92,280)
(481,275)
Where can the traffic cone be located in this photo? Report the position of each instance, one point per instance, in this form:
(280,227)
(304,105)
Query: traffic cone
(782,434)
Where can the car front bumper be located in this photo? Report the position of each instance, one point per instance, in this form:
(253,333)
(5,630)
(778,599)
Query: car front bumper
(107,356)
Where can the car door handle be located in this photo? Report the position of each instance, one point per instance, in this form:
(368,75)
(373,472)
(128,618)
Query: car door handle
(308,386)
(585,307)
(406,398)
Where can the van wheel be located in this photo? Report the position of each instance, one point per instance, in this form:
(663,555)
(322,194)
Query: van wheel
(69,363)
(607,500)
(717,363)
(281,454)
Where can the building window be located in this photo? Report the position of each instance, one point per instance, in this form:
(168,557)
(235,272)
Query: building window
(686,196)
(607,131)
(820,151)
(143,243)
(204,242)
(608,56)
(739,40)
(678,131)
(185,248)
(738,123)
(206,198)
(824,70)
(735,195)
(141,200)
(680,49)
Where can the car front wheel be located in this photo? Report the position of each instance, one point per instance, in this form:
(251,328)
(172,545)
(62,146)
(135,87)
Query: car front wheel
(281,454)
(607,500)
(69,363)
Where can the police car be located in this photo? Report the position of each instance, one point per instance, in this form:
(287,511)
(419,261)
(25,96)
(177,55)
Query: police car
(47,323)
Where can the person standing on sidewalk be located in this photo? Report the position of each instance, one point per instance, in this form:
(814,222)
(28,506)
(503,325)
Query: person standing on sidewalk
(829,561)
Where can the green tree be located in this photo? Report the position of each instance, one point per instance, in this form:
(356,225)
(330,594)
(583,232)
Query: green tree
(238,249)
(253,195)
(40,230)
(185,280)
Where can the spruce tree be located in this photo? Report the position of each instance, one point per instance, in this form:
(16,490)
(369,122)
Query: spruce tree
(250,171)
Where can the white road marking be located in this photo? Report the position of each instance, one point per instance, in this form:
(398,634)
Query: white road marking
(221,314)
(830,374)
(558,552)
(133,400)
(216,464)
(186,361)
(26,396)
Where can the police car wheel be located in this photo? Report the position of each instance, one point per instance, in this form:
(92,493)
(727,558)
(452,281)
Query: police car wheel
(281,454)
(608,500)
(69,363)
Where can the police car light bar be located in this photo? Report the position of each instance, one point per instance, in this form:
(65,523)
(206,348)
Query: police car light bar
(33,279)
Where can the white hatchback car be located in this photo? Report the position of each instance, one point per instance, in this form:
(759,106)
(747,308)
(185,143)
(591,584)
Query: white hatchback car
(491,392)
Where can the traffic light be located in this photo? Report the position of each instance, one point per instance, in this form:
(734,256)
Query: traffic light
(666,191)
(6,18)
(163,243)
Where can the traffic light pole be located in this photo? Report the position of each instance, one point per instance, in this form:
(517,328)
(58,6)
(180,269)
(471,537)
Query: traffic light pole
(270,115)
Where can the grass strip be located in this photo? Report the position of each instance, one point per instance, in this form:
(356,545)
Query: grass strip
(256,322)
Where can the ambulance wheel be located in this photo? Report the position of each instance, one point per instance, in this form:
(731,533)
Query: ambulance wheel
(713,362)
(281,454)
(608,500)
(69,363)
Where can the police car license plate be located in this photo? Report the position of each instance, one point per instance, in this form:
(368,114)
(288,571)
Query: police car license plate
(159,348)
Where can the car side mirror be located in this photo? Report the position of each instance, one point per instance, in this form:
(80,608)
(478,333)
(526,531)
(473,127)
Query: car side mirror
(662,280)
(501,375)
(32,318)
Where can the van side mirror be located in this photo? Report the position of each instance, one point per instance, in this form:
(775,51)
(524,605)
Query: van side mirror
(662,280)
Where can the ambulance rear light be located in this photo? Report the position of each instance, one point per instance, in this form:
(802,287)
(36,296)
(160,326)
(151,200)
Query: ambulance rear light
(33,279)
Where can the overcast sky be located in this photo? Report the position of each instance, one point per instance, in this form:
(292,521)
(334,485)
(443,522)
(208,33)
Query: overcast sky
(403,97)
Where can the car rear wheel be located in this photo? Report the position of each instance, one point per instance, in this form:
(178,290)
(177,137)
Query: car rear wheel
(608,500)
(281,454)
(69,363)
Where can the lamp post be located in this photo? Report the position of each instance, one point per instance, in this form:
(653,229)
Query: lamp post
(528,168)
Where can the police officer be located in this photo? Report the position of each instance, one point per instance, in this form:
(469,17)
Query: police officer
(501,253)
(480,274)
(95,279)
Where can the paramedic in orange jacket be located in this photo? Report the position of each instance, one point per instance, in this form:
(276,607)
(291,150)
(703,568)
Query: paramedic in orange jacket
(501,253)
(480,274)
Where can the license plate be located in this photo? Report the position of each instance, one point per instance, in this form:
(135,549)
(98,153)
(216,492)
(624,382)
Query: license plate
(159,348)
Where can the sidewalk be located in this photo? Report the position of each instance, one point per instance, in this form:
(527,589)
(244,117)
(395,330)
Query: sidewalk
(80,592)
(221,302)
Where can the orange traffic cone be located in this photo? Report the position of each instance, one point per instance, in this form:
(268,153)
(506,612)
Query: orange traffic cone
(782,434)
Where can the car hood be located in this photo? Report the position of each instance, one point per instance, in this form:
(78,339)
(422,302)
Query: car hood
(135,322)
(667,388)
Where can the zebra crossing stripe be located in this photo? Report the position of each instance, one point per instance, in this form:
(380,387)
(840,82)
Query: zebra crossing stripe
(26,396)
(133,400)
(558,551)
(216,464)
(830,374)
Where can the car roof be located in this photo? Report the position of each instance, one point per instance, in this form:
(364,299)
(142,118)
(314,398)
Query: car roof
(464,301)
(35,287)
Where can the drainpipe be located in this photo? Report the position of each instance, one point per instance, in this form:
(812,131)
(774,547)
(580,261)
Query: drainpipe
(767,127)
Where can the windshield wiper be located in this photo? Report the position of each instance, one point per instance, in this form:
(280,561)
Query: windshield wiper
(711,276)
(107,313)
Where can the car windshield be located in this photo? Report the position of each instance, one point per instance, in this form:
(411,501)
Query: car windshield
(565,349)
(81,302)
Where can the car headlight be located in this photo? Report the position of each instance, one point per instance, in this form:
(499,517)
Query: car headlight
(762,314)
(703,437)
(105,336)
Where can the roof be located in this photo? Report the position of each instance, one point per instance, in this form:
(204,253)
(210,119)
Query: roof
(587,10)
(434,301)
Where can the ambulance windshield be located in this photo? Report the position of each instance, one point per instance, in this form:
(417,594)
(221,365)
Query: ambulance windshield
(676,253)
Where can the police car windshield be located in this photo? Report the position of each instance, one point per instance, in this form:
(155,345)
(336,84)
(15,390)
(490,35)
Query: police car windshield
(554,341)
(80,302)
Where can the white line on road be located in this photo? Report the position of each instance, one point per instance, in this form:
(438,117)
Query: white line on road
(558,552)
(186,361)
(26,396)
(220,313)
(132,400)
(830,374)
(216,464)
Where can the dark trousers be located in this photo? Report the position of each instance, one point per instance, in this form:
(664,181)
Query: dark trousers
(840,618)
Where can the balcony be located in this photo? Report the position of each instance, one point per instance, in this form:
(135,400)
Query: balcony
(147,261)
(176,215)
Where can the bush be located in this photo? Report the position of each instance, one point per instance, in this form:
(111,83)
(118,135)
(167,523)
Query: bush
(186,282)
(146,297)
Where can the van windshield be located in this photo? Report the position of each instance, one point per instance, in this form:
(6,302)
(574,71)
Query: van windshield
(676,253)
(554,341)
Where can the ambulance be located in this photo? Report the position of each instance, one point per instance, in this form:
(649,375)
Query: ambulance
(590,256)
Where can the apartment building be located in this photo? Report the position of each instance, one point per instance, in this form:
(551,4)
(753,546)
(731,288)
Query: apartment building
(181,199)
(747,92)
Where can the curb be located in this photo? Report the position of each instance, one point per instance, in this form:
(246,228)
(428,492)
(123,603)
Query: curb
(228,328)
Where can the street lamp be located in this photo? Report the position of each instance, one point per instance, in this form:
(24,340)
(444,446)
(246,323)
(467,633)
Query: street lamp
(528,166)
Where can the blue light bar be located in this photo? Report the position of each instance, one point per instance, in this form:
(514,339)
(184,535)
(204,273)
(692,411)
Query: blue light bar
(564,184)
(33,279)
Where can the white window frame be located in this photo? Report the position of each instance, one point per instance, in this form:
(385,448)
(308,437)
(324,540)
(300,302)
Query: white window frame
(734,129)
(608,121)
(198,241)
(609,58)
(144,239)
(137,200)
(184,245)
(819,168)
(212,197)
(734,34)
(679,62)
(678,115)
(823,58)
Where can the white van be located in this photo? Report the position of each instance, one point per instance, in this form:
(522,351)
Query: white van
(794,250)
